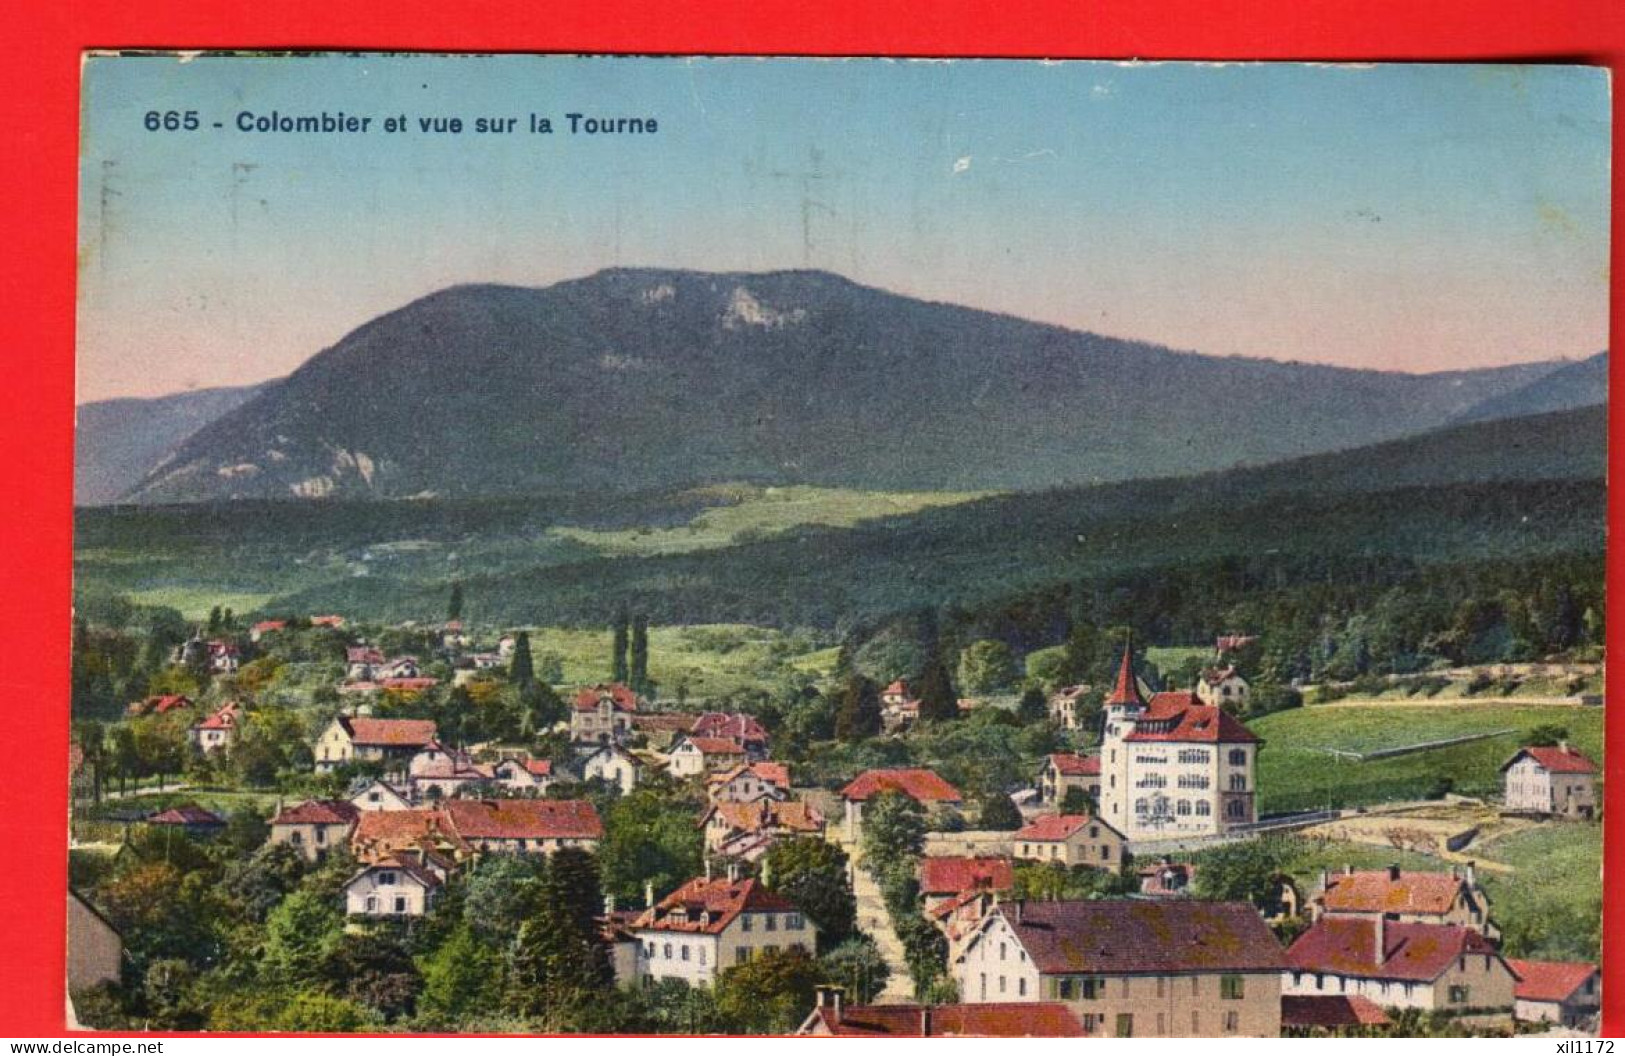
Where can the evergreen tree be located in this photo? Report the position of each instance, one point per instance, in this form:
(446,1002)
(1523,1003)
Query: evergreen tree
(454,606)
(619,647)
(639,668)
(939,701)
(858,716)
(522,668)
(999,813)
(1033,706)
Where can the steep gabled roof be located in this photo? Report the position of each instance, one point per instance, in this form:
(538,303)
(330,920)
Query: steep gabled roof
(1180,716)
(767,815)
(736,726)
(523,819)
(620,695)
(715,745)
(776,774)
(1381,891)
(923,786)
(1055,827)
(1347,946)
(1027,1019)
(1125,936)
(706,906)
(950,876)
(319,812)
(186,814)
(405,866)
(379,833)
(1555,759)
(1549,980)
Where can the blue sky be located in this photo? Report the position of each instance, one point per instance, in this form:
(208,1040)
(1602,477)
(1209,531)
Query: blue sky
(1398,217)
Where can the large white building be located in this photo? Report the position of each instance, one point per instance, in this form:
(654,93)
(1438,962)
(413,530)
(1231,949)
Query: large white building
(711,924)
(1173,766)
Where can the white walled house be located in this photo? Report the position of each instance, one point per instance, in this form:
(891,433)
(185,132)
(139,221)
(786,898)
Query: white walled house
(749,782)
(710,924)
(392,742)
(394,887)
(525,775)
(1567,993)
(694,756)
(315,826)
(1070,839)
(1434,967)
(1222,687)
(1555,780)
(378,795)
(215,733)
(612,764)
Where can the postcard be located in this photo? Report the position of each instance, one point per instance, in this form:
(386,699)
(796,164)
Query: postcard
(858,547)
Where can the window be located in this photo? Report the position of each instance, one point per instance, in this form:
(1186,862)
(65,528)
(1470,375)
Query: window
(1003,951)
(1232,1022)
(1091,1022)
(702,955)
(1162,1024)
(1021,988)
(649,950)
(1196,1023)
(1125,1024)
(1196,985)
(372,903)
(1231,987)
(1238,757)
(1063,989)
(386,878)
(1184,808)
(1161,983)
(400,903)
(1458,995)
(1001,984)
(794,922)
(1094,832)
(296,838)
(746,921)
(1238,782)
(1236,809)
(772,921)
(665,951)
(984,986)
(1105,852)
(683,951)
(1091,989)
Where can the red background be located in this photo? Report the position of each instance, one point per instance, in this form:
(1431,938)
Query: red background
(39,122)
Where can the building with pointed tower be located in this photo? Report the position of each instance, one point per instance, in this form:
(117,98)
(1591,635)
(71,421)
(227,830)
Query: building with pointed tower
(1171,766)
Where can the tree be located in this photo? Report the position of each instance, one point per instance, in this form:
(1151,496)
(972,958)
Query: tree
(857,964)
(375,971)
(769,994)
(1034,707)
(987,666)
(1240,872)
(999,813)
(462,977)
(859,713)
(639,667)
(893,830)
(300,934)
(1078,801)
(502,891)
(1547,735)
(522,668)
(939,702)
(559,958)
(618,647)
(812,873)
(649,837)
(92,740)
(454,604)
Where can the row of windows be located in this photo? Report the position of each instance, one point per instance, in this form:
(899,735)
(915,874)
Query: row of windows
(770,921)
(1093,1023)
(1193,781)
(664,951)
(372,903)
(1093,988)
(1193,755)
(1184,807)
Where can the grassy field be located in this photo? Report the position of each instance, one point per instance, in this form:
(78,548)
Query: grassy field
(194,602)
(1294,773)
(760,512)
(1170,657)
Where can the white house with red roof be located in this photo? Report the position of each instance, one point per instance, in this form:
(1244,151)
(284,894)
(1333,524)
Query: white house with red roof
(1568,993)
(1223,687)
(377,795)
(359,662)
(1407,896)
(1070,839)
(1172,766)
(1435,967)
(216,732)
(265,627)
(390,741)
(747,830)
(437,772)
(1064,771)
(524,826)
(612,764)
(693,755)
(402,885)
(734,726)
(533,776)
(711,924)
(1555,780)
(603,713)
(749,782)
(925,787)
(1065,703)
(315,826)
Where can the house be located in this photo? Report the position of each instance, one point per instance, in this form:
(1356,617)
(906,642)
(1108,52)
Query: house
(710,924)
(660,730)
(748,782)
(613,764)
(896,694)
(95,949)
(1172,766)
(397,886)
(1406,896)
(359,662)
(1066,703)
(1222,687)
(215,733)
(1070,839)
(382,834)
(1167,879)
(1230,643)
(747,830)
(1563,992)
(355,738)
(375,794)
(925,787)
(334,622)
(1307,1014)
(1131,968)
(603,713)
(738,727)
(224,657)
(315,826)
(946,878)
(162,704)
(624,947)
(485,661)
(1554,780)
(960,916)
(1064,771)
(524,826)
(396,668)
(1438,967)
(534,776)
(190,819)
(834,1018)
(437,772)
(265,627)
(692,756)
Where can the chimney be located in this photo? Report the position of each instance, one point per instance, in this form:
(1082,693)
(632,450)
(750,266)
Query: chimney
(733,872)
(1018,903)
(1472,874)
(1563,746)
(648,894)
(708,868)
(1382,939)
(1393,871)
(1348,868)
(1325,878)
(925,1021)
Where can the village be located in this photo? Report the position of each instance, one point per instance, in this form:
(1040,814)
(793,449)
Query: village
(610,854)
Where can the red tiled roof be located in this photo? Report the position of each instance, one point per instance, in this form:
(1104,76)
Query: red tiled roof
(269,625)
(767,815)
(1179,716)
(539,767)
(669,723)
(187,814)
(1028,1019)
(1127,690)
(949,876)
(1118,936)
(409,683)
(383,832)
(923,786)
(523,819)
(1070,765)
(1555,759)
(898,688)
(721,900)
(167,703)
(773,773)
(392,733)
(1549,980)
(1378,891)
(327,621)
(1331,1010)
(1057,827)
(1347,946)
(319,812)
(738,726)
(716,745)
(625,700)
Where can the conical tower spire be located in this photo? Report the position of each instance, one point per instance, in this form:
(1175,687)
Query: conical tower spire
(1127,691)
